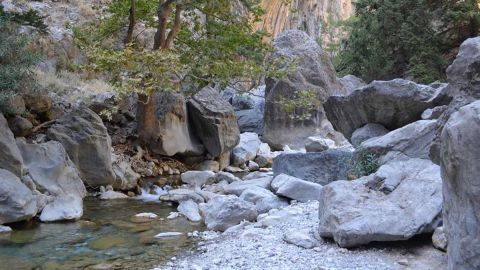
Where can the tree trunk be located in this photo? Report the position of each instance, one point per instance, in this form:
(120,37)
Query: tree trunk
(176,25)
(163,13)
(131,23)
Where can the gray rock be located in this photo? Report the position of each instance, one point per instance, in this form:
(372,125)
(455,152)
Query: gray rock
(463,73)
(351,83)
(226,176)
(228,93)
(51,169)
(321,168)
(10,157)
(253,166)
(247,149)
(463,87)
(413,140)
(314,71)
(53,173)
(113,195)
(223,212)
(392,104)
(18,202)
(197,178)
(267,204)
(302,238)
(163,125)
(460,153)
(295,188)
(214,121)
(126,178)
(254,194)
(5,229)
(263,199)
(383,207)
(434,113)
(181,194)
(254,99)
(239,187)
(190,210)
(367,132)
(318,144)
(439,239)
(64,207)
(257,175)
(250,121)
(86,140)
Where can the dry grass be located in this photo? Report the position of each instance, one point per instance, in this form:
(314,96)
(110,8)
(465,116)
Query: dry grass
(71,86)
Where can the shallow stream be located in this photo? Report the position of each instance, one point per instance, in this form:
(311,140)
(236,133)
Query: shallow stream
(105,238)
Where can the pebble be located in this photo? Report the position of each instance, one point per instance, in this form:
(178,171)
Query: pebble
(168,234)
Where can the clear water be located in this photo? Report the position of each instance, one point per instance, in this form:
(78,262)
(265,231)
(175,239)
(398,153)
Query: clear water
(105,238)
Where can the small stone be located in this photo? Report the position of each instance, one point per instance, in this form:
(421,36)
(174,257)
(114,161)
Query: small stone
(5,229)
(173,215)
(439,239)
(168,234)
(143,217)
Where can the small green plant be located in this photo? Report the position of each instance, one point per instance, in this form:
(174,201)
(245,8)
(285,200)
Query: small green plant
(363,164)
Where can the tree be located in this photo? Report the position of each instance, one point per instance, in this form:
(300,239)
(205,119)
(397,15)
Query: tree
(197,43)
(407,38)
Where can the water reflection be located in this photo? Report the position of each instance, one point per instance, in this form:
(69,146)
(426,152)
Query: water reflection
(105,237)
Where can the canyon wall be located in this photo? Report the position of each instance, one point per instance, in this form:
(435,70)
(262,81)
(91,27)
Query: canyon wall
(312,16)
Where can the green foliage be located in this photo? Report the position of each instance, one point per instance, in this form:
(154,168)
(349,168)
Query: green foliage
(303,105)
(363,164)
(214,45)
(391,38)
(17,60)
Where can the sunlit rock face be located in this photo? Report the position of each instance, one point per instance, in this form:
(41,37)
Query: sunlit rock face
(311,16)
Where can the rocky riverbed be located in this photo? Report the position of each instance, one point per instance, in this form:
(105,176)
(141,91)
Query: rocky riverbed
(288,239)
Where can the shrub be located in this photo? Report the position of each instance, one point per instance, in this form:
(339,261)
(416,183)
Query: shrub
(17,60)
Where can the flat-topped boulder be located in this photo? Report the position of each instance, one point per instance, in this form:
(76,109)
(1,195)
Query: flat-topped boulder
(321,168)
(401,200)
(392,104)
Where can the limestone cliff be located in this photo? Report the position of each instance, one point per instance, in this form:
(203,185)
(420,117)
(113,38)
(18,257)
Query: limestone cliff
(311,16)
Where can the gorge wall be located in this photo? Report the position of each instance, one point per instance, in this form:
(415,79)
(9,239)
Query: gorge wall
(311,16)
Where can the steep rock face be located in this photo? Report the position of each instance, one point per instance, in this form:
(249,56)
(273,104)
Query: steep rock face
(464,86)
(214,121)
(163,125)
(311,16)
(460,153)
(88,145)
(313,72)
